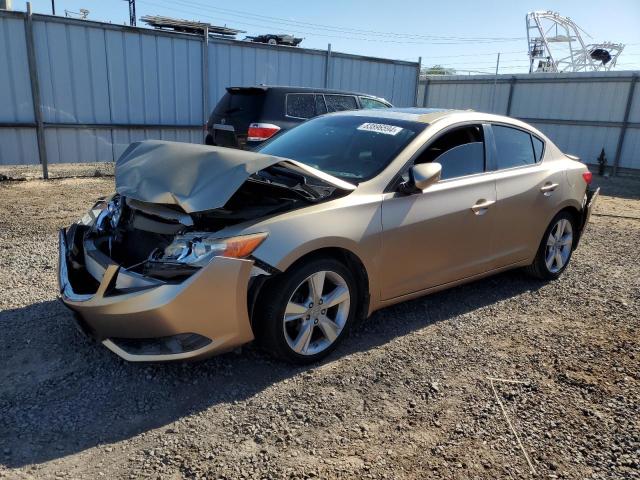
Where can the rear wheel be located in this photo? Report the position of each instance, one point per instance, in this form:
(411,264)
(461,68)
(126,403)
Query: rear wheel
(555,249)
(305,313)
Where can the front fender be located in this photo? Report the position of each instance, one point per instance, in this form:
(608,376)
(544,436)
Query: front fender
(355,227)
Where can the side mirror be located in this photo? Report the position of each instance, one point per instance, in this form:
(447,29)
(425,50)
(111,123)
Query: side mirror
(424,175)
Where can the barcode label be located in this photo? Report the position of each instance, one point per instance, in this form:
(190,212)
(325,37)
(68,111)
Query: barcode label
(380,128)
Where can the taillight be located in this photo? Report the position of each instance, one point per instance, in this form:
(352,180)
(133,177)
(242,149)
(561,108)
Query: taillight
(261,131)
(587,176)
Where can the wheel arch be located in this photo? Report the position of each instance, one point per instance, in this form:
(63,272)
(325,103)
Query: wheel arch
(577,216)
(573,211)
(345,256)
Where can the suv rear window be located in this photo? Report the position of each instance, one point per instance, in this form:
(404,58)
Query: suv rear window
(367,102)
(239,107)
(301,105)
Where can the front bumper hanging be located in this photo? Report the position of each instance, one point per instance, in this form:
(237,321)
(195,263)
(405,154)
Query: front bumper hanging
(204,314)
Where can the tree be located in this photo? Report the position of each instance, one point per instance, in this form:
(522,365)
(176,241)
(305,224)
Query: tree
(438,70)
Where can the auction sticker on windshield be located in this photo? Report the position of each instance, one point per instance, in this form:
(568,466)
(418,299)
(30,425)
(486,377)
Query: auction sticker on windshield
(380,128)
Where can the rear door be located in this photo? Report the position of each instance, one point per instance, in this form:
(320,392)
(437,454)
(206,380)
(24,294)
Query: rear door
(529,192)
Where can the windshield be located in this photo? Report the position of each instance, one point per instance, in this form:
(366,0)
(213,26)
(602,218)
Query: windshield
(352,148)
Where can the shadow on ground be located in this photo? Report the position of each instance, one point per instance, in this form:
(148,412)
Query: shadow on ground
(621,187)
(61,395)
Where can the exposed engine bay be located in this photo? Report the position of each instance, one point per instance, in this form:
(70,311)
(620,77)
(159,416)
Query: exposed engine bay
(172,204)
(166,243)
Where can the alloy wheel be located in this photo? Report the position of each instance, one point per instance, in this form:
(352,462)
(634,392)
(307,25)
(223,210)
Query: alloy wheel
(559,244)
(316,313)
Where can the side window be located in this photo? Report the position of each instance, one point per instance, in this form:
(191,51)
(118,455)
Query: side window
(538,147)
(321,107)
(460,152)
(337,103)
(514,147)
(301,105)
(367,102)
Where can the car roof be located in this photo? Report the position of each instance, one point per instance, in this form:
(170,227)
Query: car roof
(289,89)
(430,115)
(413,114)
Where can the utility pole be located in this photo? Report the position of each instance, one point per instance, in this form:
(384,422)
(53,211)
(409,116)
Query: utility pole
(495,84)
(132,12)
(53,7)
(6,5)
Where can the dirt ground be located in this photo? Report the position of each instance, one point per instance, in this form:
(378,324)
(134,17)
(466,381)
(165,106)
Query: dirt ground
(408,395)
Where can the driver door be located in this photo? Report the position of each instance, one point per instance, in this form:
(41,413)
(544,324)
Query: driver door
(443,234)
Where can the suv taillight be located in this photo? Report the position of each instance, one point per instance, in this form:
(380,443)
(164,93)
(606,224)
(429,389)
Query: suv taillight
(261,131)
(587,176)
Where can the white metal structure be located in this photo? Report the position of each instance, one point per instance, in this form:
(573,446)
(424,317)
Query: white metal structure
(556,44)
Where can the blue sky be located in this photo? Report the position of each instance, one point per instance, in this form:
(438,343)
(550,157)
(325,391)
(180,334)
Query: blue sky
(463,34)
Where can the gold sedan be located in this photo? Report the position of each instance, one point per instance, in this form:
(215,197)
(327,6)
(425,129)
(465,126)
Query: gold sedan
(202,249)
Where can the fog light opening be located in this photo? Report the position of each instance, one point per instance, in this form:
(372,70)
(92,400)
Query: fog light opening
(171,345)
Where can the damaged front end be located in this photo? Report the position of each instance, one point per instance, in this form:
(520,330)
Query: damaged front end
(149,270)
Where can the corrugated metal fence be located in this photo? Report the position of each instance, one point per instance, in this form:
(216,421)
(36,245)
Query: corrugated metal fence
(581,112)
(81,91)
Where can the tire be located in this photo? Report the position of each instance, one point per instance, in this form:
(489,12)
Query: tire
(310,331)
(272,41)
(541,268)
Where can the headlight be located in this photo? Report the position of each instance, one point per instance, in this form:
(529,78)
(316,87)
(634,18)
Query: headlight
(115,210)
(197,249)
(93,214)
(104,213)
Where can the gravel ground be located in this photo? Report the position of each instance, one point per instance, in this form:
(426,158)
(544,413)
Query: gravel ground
(408,395)
(56,170)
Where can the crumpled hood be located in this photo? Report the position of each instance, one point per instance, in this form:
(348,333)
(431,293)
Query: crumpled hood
(194,177)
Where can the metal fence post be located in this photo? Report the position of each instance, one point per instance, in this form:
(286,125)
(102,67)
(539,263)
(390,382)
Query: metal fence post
(512,84)
(625,123)
(327,67)
(205,76)
(426,92)
(415,100)
(35,92)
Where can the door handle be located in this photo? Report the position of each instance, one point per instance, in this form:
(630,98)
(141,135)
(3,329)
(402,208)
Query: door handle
(481,206)
(547,188)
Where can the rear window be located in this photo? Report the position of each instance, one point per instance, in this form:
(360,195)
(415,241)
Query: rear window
(338,103)
(538,147)
(301,105)
(239,107)
(367,102)
(514,147)
(353,148)
(321,107)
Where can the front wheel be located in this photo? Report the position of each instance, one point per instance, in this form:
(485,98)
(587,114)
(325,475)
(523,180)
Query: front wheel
(305,313)
(555,249)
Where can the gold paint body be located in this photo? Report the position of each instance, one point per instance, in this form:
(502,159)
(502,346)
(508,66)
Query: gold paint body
(409,245)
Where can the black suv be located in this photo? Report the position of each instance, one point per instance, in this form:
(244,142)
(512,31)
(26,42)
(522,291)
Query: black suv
(247,116)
